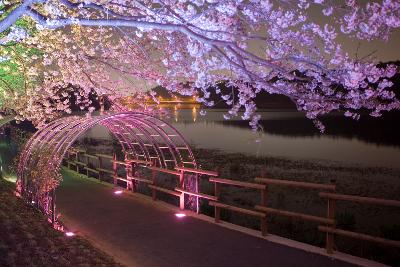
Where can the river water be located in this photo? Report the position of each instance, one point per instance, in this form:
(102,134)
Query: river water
(288,134)
(371,142)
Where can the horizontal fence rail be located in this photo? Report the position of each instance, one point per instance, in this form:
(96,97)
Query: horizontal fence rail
(198,171)
(327,224)
(238,183)
(365,200)
(296,184)
(296,215)
(164,170)
(359,236)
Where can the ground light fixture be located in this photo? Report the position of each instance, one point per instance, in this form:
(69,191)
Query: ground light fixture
(180,215)
(70,234)
(118,192)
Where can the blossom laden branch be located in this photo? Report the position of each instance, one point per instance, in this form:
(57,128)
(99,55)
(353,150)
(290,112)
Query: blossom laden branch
(200,43)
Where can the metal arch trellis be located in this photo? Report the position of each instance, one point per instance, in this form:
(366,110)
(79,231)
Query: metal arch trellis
(142,137)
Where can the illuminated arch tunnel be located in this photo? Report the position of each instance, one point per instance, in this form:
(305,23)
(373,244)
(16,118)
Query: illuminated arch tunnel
(141,136)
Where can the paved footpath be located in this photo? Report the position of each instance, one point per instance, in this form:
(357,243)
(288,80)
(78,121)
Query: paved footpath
(140,232)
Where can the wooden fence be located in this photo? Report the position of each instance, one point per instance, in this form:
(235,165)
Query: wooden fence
(327,224)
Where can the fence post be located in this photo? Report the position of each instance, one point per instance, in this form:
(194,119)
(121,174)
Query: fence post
(115,169)
(153,191)
(264,227)
(217,210)
(181,185)
(331,215)
(76,161)
(128,171)
(197,179)
(134,183)
(100,167)
(87,165)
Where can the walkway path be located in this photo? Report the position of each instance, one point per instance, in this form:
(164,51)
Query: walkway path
(140,232)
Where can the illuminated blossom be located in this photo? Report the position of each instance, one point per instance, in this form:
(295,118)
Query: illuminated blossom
(190,46)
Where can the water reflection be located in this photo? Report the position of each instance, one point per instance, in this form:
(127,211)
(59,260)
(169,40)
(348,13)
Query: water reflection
(370,141)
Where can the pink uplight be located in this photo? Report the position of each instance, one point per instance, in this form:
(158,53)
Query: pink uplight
(118,192)
(69,234)
(180,215)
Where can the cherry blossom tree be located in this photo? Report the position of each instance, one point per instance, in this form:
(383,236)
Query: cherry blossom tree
(255,46)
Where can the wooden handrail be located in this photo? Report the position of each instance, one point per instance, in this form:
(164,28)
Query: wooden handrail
(105,170)
(92,170)
(201,195)
(80,163)
(120,178)
(140,179)
(237,209)
(164,190)
(164,170)
(90,156)
(199,171)
(359,236)
(296,184)
(237,183)
(296,215)
(104,156)
(369,200)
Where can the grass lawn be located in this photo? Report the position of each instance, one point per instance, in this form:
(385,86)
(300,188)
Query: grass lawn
(26,239)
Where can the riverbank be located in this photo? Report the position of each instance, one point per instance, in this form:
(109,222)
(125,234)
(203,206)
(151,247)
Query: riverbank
(26,239)
(350,179)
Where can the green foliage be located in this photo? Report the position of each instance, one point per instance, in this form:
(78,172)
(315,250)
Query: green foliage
(15,58)
(14,75)
(27,24)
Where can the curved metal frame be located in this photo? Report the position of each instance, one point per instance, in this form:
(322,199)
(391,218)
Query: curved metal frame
(142,137)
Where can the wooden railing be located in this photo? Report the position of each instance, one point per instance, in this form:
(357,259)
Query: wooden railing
(363,200)
(330,215)
(218,205)
(131,181)
(262,211)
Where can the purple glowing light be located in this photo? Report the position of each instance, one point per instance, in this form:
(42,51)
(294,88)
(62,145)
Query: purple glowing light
(70,234)
(118,192)
(180,215)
